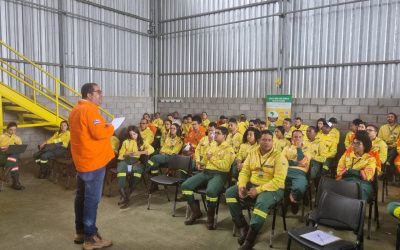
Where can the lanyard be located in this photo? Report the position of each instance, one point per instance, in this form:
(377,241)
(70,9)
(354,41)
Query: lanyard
(262,163)
(354,163)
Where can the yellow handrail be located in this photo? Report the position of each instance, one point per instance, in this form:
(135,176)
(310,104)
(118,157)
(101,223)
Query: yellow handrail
(35,82)
(51,76)
(35,88)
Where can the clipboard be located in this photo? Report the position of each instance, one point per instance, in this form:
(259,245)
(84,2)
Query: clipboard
(16,149)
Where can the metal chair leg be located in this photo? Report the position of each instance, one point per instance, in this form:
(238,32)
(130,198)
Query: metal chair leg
(369,221)
(273,226)
(176,196)
(148,201)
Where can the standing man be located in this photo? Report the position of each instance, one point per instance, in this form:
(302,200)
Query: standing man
(91,151)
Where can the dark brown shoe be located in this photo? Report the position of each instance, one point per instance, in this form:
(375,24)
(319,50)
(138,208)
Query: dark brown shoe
(79,238)
(96,242)
(194,215)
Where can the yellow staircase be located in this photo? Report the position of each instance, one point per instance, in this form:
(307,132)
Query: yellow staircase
(37,105)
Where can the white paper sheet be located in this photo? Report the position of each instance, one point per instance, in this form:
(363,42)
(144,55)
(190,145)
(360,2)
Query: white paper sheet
(117,122)
(320,237)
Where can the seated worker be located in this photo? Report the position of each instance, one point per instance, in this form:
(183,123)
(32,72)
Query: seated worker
(353,129)
(272,118)
(254,124)
(318,152)
(192,139)
(379,147)
(223,121)
(131,162)
(165,131)
(158,122)
(287,125)
(217,163)
(331,144)
(204,120)
(280,142)
(61,141)
(172,146)
(334,133)
(358,165)
(262,180)
(234,137)
(145,131)
(186,125)
(389,133)
(362,126)
(150,125)
(298,155)
(204,144)
(298,125)
(249,143)
(10,160)
(320,124)
(242,124)
(263,126)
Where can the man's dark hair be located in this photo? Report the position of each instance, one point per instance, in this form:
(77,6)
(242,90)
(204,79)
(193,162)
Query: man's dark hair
(197,119)
(364,138)
(288,119)
(281,128)
(233,120)
(312,128)
(298,118)
(266,132)
(223,130)
(212,124)
(11,124)
(87,88)
(357,122)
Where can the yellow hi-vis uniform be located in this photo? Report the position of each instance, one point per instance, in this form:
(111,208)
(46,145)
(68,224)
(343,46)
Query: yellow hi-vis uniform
(6,140)
(201,149)
(222,157)
(235,140)
(171,145)
(349,139)
(335,134)
(115,143)
(205,123)
(379,146)
(147,135)
(244,150)
(390,134)
(158,122)
(130,146)
(280,144)
(60,137)
(242,127)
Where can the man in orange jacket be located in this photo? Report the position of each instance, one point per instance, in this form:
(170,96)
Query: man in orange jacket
(91,151)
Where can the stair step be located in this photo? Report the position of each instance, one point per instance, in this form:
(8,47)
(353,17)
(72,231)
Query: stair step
(14,108)
(31,116)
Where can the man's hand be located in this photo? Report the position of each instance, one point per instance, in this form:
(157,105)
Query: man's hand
(41,146)
(242,192)
(209,156)
(199,166)
(252,193)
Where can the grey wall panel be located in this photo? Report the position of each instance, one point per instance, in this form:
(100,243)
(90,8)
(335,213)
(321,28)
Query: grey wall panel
(332,48)
(100,43)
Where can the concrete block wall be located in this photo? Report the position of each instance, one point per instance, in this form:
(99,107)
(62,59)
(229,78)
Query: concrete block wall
(130,107)
(344,109)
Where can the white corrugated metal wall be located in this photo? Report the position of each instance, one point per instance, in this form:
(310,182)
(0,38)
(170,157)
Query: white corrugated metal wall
(82,41)
(330,48)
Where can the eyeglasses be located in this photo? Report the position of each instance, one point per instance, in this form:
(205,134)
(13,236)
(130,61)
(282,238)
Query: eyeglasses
(356,143)
(99,91)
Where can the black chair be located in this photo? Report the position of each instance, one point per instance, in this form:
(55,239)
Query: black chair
(307,197)
(4,177)
(344,188)
(385,190)
(177,162)
(339,213)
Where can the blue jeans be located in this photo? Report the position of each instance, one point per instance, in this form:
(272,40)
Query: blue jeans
(88,195)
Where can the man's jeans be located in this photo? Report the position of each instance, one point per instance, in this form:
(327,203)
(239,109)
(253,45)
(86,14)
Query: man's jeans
(88,194)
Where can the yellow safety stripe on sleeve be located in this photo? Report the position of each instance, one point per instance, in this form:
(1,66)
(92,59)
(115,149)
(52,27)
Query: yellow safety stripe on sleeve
(38,160)
(187,192)
(44,161)
(154,171)
(231,200)
(260,213)
(325,167)
(136,156)
(121,174)
(150,163)
(396,212)
(138,175)
(183,171)
(212,199)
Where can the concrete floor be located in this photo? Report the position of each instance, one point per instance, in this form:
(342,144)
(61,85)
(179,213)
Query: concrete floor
(42,217)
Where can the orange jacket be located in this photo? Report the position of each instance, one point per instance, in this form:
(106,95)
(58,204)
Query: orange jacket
(90,137)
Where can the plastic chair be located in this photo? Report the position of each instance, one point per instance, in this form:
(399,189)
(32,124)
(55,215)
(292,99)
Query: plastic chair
(337,212)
